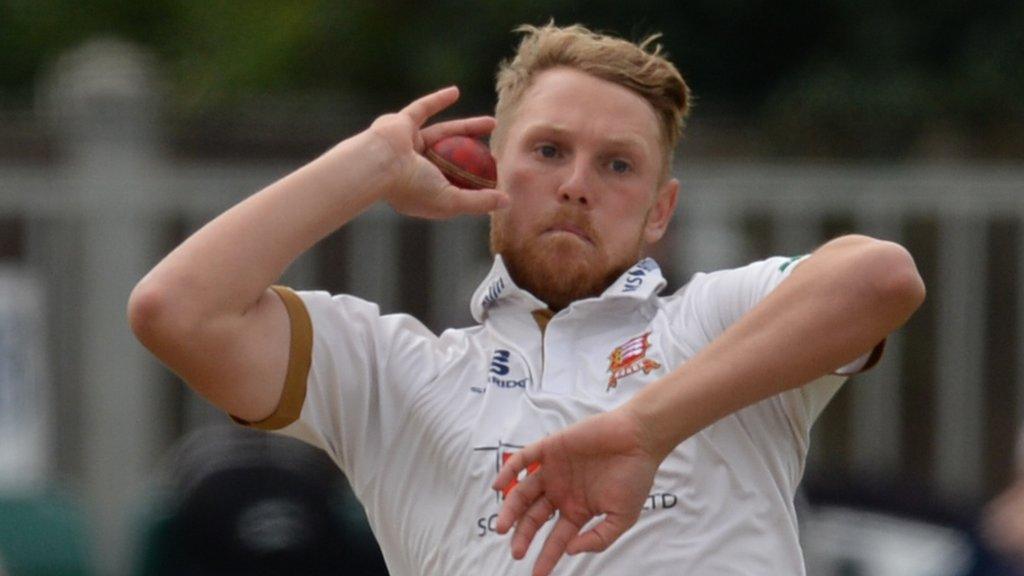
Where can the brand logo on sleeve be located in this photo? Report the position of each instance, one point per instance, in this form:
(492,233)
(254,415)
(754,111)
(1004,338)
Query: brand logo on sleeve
(630,358)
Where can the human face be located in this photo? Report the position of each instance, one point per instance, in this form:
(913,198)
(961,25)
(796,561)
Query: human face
(581,161)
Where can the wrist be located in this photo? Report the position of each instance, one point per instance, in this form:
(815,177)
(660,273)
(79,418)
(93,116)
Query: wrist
(366,159)
(651,435)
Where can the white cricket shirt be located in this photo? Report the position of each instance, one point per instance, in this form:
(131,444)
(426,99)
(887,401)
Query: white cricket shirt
(421,423)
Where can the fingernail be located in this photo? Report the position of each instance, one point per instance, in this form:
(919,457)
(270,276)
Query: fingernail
(503,201)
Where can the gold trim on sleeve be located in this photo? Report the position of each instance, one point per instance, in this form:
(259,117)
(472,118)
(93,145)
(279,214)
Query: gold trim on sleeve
(300,357)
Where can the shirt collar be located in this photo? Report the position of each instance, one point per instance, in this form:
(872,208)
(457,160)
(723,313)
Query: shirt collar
(642,281)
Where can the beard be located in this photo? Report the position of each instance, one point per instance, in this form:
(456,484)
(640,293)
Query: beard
(560,268)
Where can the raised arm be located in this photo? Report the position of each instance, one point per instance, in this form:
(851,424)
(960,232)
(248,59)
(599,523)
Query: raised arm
(838,304)
(207,311)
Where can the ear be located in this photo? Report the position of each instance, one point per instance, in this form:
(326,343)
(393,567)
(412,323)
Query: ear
(661,211)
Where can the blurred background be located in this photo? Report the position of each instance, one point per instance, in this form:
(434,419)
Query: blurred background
(124,126)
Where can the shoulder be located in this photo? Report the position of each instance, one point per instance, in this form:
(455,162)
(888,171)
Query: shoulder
(756,278)
(347,317)
(767,268)
(338,315)
(709,302)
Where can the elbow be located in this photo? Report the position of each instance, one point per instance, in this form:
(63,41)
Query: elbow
(896,284)
(151,314)
(146,307)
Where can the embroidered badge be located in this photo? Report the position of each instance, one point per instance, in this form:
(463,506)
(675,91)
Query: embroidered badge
(629,358)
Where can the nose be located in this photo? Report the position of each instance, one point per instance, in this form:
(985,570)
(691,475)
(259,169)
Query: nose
(576,188)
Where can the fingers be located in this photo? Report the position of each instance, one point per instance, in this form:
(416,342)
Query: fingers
(526,528)
(423,108)
(516,464)
(600,537)
(519,500)
(461,201)
(554,546)
(474,127)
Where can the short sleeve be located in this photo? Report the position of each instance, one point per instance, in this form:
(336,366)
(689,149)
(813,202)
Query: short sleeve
(337,394)
(716,300)
(300,353)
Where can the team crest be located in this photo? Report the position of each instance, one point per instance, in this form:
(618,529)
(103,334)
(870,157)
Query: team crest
(629,358)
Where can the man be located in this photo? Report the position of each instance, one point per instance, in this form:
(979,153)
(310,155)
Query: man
(603,404)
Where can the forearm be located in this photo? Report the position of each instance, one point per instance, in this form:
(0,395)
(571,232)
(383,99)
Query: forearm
(206,310)
(227,265)
(844,299)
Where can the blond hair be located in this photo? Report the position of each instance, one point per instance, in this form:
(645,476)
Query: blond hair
(647,73)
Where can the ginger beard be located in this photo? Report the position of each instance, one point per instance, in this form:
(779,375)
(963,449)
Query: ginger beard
(560,267)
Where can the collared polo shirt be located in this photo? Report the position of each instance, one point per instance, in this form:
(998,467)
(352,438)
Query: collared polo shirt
(420,423)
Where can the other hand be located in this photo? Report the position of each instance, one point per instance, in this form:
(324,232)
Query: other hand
(598,466)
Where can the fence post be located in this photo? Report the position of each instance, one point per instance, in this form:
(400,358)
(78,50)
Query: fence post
(102,98)
(960,406)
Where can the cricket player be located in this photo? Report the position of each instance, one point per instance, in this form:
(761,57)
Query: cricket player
(627,429)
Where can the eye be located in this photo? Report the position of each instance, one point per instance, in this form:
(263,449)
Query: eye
(547,151)
(620,166)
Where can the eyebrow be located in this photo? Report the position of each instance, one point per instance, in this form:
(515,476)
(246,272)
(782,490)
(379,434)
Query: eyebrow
(621,140)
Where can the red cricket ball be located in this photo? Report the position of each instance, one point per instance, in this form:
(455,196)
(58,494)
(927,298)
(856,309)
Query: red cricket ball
(466,162)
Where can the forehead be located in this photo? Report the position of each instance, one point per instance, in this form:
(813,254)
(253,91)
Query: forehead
(575,103)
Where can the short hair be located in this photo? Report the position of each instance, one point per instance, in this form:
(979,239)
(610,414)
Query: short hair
(636,66)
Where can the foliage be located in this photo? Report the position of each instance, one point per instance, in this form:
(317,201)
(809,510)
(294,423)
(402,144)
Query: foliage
(805,69)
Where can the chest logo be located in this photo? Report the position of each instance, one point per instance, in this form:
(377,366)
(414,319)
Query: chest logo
(498,374)
(502,452)
(630,358)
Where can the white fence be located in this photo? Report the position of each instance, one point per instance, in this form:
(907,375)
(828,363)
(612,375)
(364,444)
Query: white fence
(97,219)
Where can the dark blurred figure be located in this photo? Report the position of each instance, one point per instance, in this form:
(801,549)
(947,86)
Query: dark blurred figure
(1004,523)
(246,503)
(1000,545)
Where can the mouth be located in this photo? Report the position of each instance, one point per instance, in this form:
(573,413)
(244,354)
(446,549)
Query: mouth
(567,228)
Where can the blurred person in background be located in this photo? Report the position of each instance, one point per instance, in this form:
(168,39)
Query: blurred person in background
(1001,549)
(669,431)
